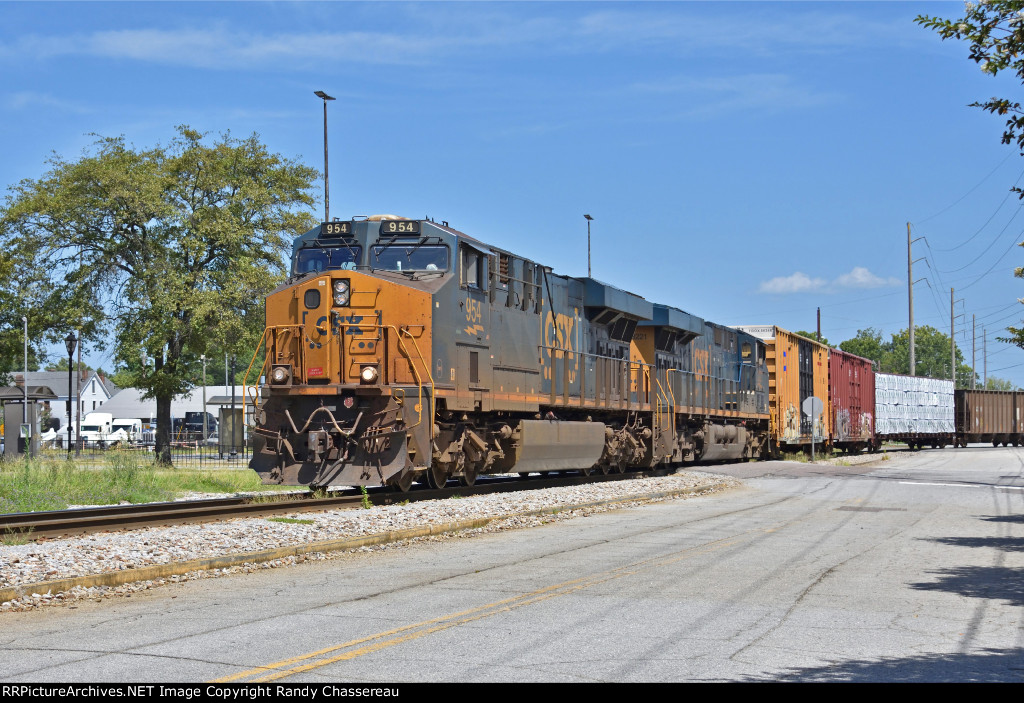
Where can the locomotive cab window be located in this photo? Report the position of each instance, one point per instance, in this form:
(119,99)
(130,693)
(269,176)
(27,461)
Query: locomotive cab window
(327,258)
(409,256)
(473,268)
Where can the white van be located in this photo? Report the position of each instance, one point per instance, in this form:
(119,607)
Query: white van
(125,431)
(96,428)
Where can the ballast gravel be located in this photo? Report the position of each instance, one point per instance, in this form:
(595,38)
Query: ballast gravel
(116,551)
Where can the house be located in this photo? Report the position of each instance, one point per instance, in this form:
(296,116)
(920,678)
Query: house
(95,391)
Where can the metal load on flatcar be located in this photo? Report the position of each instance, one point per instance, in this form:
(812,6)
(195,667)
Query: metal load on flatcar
(405,348)
(797,371)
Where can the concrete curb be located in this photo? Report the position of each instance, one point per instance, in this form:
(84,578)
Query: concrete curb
(158,571)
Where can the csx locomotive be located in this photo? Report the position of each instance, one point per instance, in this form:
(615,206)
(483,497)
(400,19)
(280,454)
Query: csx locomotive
(401,350)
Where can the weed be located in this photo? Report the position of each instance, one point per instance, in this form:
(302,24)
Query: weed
(13,538)
(292,520)
(366,498)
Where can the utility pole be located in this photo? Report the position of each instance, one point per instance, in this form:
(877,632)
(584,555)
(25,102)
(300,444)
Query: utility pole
(974,344)
(78,400)
(952,343)
(910,296)
(819,325)
(984,355)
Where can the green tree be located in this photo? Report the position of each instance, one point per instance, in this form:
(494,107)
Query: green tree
(13,305)
(167,252)
(995,31)
(998,384)
(813,336)
(868,344)
(931,355)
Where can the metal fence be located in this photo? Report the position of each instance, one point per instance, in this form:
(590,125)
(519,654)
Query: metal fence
(188,450)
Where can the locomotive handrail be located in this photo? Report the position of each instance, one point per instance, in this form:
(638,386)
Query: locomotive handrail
(419,381)
(399,331)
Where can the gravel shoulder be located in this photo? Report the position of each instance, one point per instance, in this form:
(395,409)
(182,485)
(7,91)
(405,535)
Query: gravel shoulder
(105,565)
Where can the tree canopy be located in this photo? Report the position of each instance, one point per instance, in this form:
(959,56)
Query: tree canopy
(995,31)
(931,353)
(166,252)
(813,336)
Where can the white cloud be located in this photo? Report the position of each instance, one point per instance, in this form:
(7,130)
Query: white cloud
(799,282)
(724,94)
(860,277)
(30,100)
(418,35)
(795,283)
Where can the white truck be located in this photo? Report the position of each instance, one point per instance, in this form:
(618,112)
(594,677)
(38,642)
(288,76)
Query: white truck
(125,432)
(96,429)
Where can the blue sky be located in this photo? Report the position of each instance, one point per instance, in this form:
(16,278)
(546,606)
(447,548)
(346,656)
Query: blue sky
(745,161)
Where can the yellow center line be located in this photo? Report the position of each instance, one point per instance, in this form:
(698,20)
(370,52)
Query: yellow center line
(407,633)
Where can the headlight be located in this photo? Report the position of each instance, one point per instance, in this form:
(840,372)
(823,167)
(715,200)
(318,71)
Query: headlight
(280,374)
(368,374)
(341,291)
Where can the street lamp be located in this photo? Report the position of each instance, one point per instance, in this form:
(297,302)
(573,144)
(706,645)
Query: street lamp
(589,219)
(70,342)
(25,379)
(203,358)
(327,196)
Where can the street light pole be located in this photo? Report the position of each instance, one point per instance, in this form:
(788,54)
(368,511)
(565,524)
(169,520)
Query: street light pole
(70,342)
(205,428)
(327,196)
(24,380)
(589,220)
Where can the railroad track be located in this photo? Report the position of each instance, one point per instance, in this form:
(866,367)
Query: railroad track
(56,523)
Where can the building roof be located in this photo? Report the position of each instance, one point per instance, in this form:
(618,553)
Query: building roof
(57,381)
(129,403)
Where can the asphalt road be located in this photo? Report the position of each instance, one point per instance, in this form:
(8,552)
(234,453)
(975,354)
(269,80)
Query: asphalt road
(910,569)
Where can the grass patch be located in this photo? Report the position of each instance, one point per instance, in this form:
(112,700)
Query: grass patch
(32,485)
(11,538)
(367,504)
(291,520)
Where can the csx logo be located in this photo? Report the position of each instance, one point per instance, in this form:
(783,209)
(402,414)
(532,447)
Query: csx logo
(700,361)
(558,334)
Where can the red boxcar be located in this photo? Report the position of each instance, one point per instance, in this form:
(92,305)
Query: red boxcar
(851,382)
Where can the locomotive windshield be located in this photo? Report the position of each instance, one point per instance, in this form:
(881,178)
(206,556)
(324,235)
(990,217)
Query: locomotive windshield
(409,256)
(327,258)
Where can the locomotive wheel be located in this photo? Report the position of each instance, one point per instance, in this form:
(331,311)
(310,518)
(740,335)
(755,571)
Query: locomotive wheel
(995,442)
(437,476)
(587,471)
(468,477)
(605,469)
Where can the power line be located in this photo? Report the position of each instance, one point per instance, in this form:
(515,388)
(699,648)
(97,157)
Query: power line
(957,201)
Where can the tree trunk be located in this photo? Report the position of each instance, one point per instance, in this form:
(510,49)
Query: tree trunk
(163,429)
